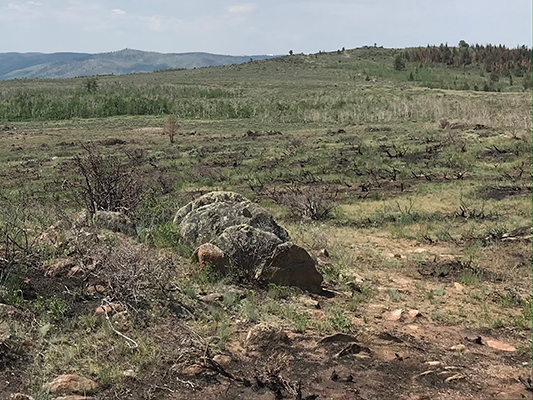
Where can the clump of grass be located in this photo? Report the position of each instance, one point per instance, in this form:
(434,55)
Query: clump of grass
(51,310)
(470,277)
(279,292)
(525,319)
(337,321)
(394,294)
(250,311)
(230,299)
(300,321)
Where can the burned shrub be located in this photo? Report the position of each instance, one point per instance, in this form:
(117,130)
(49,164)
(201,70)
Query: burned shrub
(133,276)
(109,183)
(312,202)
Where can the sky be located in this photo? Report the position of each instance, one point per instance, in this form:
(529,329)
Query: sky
(257,26)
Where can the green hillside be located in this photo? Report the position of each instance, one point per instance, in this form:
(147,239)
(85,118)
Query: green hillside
(342,87)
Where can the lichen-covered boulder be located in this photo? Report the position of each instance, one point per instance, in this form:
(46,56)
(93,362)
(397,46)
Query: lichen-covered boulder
(291,265)
(247,247)
(206,218)
(246,235)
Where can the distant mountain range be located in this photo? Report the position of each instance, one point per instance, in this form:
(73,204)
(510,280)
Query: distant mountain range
(70,65)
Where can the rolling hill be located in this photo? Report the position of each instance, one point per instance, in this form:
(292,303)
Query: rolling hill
(70,65)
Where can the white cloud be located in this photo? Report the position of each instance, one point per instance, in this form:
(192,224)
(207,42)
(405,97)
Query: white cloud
(156,24)
(12,6)
(117,11)
(241,8)
(34,3)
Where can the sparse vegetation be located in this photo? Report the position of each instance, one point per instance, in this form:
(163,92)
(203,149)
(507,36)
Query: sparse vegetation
(410,196)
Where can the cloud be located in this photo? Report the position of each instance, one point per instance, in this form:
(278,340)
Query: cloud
(155,24)
(34,3)
(117,11)
(240,9)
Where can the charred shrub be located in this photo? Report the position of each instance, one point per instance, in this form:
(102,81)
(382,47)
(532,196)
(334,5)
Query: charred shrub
(109,183)
(315,202)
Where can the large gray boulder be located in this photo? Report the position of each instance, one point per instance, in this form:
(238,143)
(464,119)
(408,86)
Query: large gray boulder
(247,247)
(253,243)
(204,219)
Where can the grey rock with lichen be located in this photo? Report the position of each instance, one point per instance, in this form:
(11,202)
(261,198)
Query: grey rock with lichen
(249,237)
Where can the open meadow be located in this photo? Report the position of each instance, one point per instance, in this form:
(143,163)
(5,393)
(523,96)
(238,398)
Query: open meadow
(411,190)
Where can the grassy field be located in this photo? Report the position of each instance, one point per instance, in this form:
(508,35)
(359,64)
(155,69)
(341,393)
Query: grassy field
(419,187)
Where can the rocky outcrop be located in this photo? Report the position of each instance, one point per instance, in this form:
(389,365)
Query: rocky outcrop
(247,247)
(249,240)
(206,218)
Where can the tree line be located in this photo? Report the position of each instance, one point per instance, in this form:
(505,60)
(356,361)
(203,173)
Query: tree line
(496,59)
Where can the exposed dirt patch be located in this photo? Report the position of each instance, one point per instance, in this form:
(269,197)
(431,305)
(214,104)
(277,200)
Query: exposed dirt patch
(502,192)
(451,270)
(409,367)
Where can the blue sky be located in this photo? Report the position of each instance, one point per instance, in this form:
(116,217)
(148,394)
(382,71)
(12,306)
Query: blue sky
(257,27)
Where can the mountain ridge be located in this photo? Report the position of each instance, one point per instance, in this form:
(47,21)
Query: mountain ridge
(126,61)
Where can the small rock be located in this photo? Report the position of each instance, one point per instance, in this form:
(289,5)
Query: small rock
(263,335)
(353,276)
(93,289)
(73,397)
(414,314)
(496,344)
(71,383)
(211,255)
(458,286)
(222,359)
(101,310)
(458,347)
(109,308)
(192,370)
(323,253)
(211,298)
(129,373)
(394,315)
(20,396)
